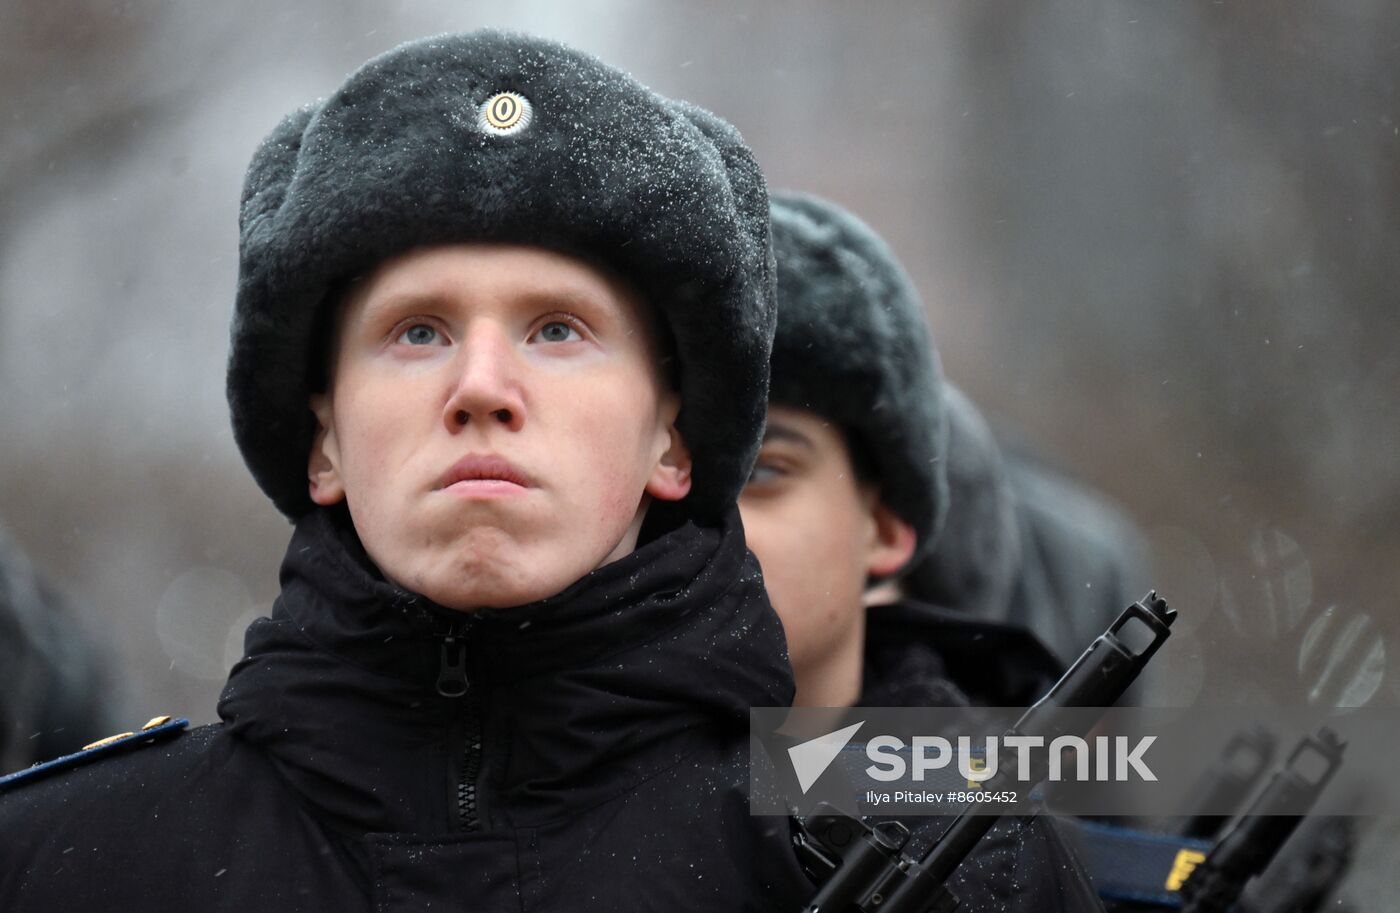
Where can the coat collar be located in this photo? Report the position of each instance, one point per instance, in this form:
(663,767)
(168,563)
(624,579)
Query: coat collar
(578,695)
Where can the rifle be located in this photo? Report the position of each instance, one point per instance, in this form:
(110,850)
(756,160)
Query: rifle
(1256,837)
(864,868)
(1242,765)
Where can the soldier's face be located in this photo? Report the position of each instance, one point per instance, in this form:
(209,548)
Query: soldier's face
(819,535)
(496,422)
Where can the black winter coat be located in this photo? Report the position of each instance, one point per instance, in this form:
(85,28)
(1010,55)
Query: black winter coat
(597,759)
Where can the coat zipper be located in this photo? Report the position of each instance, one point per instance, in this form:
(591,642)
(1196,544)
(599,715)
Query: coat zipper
(452,682)
(452,667)
(467,817)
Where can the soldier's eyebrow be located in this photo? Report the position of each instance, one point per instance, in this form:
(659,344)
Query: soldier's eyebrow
(779,432)
(395,305)
(554,298)
(584,303)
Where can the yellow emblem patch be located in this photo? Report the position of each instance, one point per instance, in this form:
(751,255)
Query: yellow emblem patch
(1182,867)
(976,765)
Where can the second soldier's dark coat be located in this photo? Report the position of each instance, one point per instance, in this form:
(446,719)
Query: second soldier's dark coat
(918,655)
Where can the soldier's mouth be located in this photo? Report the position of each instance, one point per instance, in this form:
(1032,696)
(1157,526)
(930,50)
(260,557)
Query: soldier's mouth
(484,476)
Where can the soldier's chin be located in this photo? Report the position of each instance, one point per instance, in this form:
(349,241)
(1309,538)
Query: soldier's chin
(500,566)
(492,591)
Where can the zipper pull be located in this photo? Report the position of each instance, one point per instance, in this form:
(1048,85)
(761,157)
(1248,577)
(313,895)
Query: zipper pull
(452,668)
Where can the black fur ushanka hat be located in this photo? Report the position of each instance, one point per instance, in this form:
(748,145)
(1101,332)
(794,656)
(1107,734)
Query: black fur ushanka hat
(492,136)
(853,345)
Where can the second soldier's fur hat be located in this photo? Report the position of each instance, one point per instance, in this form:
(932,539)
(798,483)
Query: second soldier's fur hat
(853,345)
(500,137)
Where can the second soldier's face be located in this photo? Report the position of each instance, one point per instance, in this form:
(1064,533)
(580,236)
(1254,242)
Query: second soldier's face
(819,535)
(495,421)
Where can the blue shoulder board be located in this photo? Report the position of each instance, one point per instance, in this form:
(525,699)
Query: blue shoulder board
(1145,868)
(159,729)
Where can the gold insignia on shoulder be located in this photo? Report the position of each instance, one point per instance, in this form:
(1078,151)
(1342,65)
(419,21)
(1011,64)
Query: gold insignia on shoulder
(108,741)
(150,724)
(160,729)
(505,113)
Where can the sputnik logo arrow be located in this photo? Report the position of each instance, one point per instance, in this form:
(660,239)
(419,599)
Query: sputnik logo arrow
(814,756)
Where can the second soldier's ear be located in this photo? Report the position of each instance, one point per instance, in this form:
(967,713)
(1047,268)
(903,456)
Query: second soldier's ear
(892,541)
(323,463)
(670,476)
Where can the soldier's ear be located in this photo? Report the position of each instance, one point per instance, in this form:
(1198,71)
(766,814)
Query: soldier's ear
(892,541)
(323,463)
(670,475)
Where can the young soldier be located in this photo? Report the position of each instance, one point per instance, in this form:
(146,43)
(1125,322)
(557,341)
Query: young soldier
(500,352)
(851,488)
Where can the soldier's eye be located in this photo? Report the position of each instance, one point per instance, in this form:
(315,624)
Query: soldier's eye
(557,331)
(765,472)
(420,334)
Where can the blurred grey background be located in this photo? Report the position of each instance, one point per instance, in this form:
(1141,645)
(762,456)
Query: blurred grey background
(1157,240)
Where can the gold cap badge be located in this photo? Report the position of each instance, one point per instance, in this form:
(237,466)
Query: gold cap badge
(505,113)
